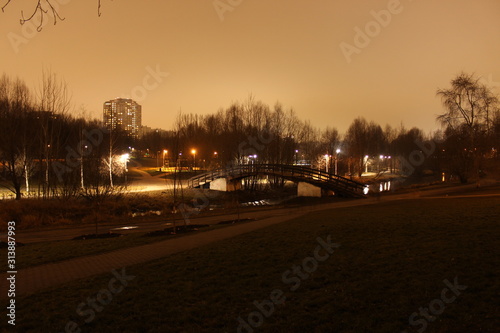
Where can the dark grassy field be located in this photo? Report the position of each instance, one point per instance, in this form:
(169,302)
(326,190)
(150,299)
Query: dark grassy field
(392,260)
(34,254)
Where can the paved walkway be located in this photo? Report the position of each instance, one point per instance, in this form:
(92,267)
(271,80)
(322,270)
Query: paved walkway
(34,279)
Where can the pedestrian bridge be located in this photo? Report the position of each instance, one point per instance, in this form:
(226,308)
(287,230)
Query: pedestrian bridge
(310,180)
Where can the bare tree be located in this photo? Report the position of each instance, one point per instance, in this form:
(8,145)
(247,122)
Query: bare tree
(470,109)
(42,10)
(330,142)
(357,143)
(364,139)
(15,139)
(467,103)
(53,105)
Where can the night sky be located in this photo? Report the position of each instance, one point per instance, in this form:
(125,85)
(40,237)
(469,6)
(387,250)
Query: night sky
(309,55)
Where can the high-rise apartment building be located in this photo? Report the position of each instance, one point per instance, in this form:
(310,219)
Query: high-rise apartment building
(123,114)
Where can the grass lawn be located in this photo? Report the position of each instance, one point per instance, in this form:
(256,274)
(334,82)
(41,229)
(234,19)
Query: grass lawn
(48,252)
(392,260)
(39,253)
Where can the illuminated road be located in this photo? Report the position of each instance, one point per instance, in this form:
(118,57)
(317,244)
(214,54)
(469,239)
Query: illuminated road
(147,183)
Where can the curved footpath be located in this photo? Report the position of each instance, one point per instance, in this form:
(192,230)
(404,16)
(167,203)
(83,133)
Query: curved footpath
(34,279)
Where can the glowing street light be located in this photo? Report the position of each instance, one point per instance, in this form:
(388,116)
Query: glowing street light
(164,153)
(336,159)
(251,158)
(193,151)
(216,158)
(380,163)
(124,159)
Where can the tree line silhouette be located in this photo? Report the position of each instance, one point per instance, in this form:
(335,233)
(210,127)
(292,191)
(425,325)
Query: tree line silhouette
(46,151)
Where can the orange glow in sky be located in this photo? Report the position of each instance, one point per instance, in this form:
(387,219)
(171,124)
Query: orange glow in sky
(330,61)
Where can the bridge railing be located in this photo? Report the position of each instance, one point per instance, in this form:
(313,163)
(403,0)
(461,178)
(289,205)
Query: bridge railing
(320,178)
(287,171)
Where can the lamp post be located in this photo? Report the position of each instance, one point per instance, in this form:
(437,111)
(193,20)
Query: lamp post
(47,169)
(193,151)
(327,161)
(164,153)
(251,158)
(124,160)
(336,160)
(81,167)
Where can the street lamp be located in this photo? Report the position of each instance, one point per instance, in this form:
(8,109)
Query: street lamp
(81,167)
(336,159)
(164,152)
(179,161)
(193,151)
(296,156)
(252,158)
(124,159)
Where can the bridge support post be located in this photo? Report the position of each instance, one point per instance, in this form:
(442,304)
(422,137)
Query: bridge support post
(307,190)
(225,185)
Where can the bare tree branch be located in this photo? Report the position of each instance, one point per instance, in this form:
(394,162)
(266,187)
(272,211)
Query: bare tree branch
(54,13)
(3,7)
(37,8)
(42,12)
